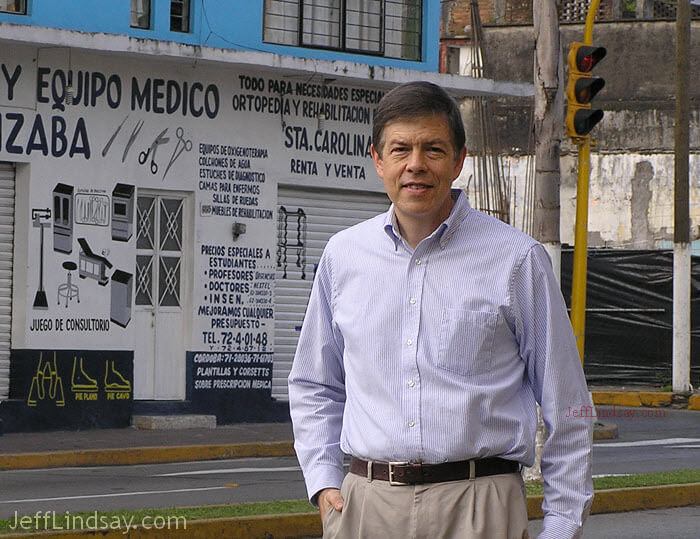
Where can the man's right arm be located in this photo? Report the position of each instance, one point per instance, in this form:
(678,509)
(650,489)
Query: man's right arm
(317,389)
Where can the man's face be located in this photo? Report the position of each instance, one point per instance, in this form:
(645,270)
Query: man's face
(418,165)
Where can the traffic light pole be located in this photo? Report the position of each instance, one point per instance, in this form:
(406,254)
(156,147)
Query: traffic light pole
(578,284)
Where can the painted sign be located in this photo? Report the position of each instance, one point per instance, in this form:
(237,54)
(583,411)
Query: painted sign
(151,206)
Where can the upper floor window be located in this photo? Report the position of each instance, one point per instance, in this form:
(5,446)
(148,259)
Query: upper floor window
(141,14)
(389,28)
(180,15)
(13,6)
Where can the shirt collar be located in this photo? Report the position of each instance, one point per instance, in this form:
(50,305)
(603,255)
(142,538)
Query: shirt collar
(443,232)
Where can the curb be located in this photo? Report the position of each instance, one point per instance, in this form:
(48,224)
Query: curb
(143,455)
(309,524)
(652,399)
(632,398)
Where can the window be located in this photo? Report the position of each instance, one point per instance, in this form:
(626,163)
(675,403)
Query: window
(13,6)
(180,15)
(141,14)
(390,28)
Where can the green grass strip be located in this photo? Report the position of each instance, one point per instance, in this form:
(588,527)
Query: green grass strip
(111,519)
(637,480)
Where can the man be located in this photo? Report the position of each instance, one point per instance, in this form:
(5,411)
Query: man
(431,331)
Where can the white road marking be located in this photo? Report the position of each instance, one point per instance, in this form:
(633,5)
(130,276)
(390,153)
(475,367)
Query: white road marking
(232,470)
(111,495)
(663,441)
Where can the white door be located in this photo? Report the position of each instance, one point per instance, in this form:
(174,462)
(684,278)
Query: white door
(7,232)
(307,218)
(161,269)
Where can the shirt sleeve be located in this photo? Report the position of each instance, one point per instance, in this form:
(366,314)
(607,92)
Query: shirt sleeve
(317,388)
(548,347)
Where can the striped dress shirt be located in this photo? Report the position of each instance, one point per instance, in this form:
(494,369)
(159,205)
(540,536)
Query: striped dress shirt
(438,354)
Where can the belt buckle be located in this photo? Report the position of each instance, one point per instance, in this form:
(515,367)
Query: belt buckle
(392,482)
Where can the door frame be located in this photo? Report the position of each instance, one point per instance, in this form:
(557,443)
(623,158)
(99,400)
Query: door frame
(186,289)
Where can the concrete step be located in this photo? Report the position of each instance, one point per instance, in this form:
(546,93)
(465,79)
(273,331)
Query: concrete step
(179,421)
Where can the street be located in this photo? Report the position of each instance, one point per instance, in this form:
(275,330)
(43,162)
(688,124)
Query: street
(646,444)
(675,523)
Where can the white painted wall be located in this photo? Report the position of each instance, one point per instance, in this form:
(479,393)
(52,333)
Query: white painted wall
(612,198)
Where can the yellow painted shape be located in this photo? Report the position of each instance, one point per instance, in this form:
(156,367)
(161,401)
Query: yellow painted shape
(694,402)
(617,398)
(654,398)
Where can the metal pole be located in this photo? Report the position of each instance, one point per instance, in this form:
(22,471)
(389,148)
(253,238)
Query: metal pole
(681,209)
(578,281)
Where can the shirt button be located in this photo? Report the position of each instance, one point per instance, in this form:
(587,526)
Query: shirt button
(409,342)
(411,383)
(413,301)
(411,423)
(418,262)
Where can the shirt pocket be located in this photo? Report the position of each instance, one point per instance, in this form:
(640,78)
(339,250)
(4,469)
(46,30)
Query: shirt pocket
(466,341)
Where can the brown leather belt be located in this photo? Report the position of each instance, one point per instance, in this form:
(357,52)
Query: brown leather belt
(410,473)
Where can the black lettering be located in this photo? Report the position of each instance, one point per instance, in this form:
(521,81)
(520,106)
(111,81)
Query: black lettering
(114,91)
(80,143)
(99,84)
(212,107)
(11,80)
(58,94)
(158,95)
(140,99)
(195,112)
(37,132)
(172,97)
(58,135)
(10,145)
(41,84)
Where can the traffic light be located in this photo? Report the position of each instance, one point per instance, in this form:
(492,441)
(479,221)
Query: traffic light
(582,88)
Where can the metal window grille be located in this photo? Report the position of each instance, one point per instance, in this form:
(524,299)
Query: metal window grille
(180,15)
(141,14)
(667,10)
(570,11)
(13,6)
(391,28)
(158,251)
(298,244)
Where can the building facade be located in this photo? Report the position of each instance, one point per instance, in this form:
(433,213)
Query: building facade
(169,174)
(632,159)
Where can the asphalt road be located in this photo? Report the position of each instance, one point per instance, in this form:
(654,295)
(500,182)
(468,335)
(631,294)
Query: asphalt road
(646,444)
(674,523)
(149,486)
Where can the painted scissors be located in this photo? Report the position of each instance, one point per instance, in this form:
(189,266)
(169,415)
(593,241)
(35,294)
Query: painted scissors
(143,156)
(181,146)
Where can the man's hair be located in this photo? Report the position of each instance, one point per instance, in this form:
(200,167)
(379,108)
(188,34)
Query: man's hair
(412,100)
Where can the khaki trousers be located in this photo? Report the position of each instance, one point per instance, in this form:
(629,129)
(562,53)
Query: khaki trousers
(491,507)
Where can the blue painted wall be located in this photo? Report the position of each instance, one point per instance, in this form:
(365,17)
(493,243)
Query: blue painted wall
(226,24)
